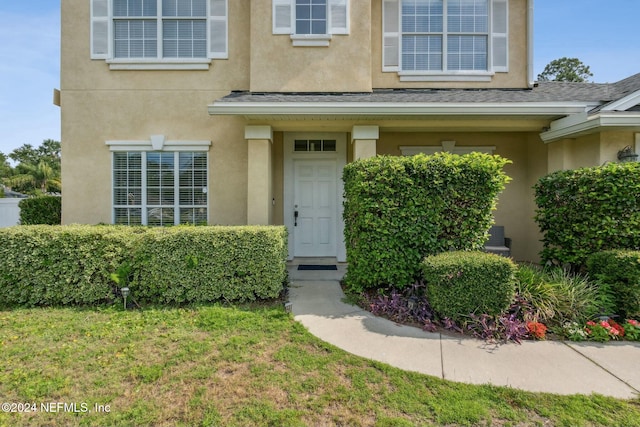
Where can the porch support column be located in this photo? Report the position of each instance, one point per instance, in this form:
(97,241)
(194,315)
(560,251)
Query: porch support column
(259,182)
(364,139)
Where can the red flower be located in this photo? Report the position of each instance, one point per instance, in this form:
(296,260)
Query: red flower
(619,330)
(537,329)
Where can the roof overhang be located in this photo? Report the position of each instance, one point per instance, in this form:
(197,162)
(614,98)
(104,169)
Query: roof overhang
(585,124)
(343,110)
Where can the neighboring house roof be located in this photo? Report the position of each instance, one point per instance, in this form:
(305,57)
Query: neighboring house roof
(553,100)
(13,194)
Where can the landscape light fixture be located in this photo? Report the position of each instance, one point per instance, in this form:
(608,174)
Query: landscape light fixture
(125,294)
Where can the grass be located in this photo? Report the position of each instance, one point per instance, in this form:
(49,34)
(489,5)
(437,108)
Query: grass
(242,366)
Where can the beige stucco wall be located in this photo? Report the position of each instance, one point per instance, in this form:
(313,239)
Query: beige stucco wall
(90,119)
(278,66)
(99,104)
(590,150)
(517,77)
(515,206)
(79,72)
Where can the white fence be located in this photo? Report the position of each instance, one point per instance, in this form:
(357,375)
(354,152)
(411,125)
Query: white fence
(9,212)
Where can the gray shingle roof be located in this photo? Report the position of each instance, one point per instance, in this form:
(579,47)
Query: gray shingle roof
(542,92)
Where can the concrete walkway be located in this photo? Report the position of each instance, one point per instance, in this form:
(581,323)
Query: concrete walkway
(543,366)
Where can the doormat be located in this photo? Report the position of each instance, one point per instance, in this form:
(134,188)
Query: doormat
(316,267)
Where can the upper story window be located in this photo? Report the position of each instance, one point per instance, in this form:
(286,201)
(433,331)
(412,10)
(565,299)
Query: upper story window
(159,34)
(445,39)
(311,16)
(311,22)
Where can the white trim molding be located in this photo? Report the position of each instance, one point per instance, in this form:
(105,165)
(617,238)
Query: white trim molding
(448,76)
(310,40)
(165,64)
(365,132)
(447,146)
(584,124)
(623,104)
(258,132)
(157,143)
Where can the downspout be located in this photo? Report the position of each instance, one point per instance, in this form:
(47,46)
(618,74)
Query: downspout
(530,43)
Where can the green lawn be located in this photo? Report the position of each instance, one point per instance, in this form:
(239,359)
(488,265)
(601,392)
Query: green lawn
(247,366)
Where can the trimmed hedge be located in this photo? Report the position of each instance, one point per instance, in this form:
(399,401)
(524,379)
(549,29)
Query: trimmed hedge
(73,265)
(205,264)
(41,210)
(463,283)
(397,210)
(588,210)
(619,271)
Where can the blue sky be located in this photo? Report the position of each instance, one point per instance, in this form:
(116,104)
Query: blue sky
(601,34)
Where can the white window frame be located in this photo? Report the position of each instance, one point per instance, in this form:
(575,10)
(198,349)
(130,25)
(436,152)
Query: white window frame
(284,22)
(102,39)
(497,45)
(157,143)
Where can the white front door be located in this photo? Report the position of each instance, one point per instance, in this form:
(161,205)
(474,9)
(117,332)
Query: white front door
(314,207)
(313,163)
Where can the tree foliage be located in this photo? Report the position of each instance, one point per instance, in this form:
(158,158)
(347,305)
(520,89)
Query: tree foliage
(565,70)
(37,170)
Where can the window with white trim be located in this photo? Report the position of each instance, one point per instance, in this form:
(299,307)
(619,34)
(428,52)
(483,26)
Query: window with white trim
(159,30)
(445,37)
(159,188)
(309,20)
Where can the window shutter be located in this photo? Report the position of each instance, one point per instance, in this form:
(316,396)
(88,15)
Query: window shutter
(282,16)
(218,34)
(339,16)
(99,29)
(390,35)
(500,35)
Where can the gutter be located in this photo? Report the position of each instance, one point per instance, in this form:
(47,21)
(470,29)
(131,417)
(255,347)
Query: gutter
(530,43)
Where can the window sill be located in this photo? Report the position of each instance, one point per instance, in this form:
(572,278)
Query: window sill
(413,76)
(155,64)
(311,40)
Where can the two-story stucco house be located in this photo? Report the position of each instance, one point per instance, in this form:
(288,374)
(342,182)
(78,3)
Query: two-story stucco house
(246,111)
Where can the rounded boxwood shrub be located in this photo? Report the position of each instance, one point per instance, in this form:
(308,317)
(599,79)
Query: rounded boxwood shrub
(619,272)
(461,283)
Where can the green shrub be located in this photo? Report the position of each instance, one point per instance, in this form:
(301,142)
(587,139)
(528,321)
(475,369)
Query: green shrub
(54,265)
(41,210)
(557,296)
(397,210)
(619,270)
(585,211)
(73,265)
(205,264)
(461,283)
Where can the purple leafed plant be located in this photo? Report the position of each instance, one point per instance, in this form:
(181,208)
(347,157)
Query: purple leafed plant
(407,306)
(501,328)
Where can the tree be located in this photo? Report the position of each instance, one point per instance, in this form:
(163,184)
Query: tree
(37,171)
(565,70)
(41,177)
